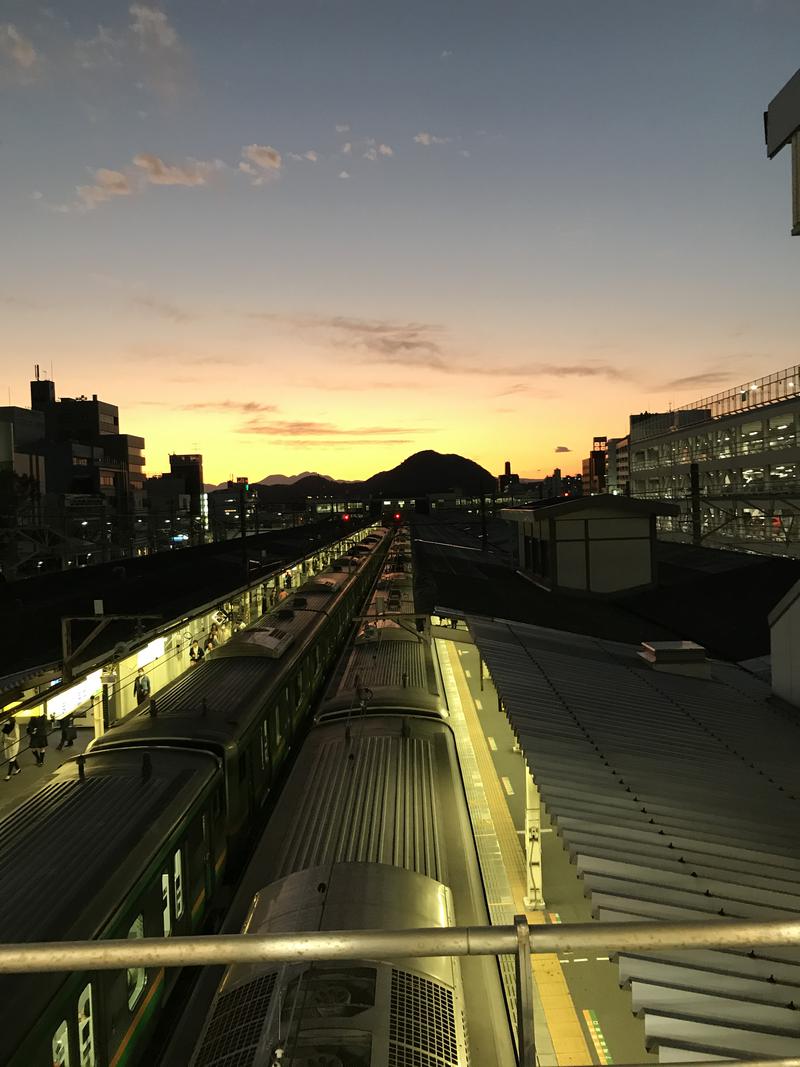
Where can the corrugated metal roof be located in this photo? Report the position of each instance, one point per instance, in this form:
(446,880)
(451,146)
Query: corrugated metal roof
(675,797)
(383,663)
(68,838)
(371,800)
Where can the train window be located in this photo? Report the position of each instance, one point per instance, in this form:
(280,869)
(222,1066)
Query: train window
(278,736)
(265,743)
(165,906)
(86,1028)
(61,1046)
(178,882)
(136,975)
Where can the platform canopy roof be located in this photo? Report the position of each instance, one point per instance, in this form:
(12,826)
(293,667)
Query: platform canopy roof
(676,798)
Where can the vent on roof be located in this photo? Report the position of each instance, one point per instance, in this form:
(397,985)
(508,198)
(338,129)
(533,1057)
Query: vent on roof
(285,614)
(676,657)
(299,602)
(422,1024)
(235,1029)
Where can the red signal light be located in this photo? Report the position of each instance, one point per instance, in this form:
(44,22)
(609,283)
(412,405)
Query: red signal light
(397,514)
(345,518)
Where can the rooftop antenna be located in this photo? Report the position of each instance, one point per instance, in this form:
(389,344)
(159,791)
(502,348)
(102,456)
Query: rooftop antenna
(36,371)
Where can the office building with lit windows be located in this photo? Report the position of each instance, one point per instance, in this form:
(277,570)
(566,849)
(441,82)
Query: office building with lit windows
(732,463)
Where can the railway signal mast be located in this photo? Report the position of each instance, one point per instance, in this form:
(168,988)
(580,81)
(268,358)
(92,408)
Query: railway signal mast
(782,127)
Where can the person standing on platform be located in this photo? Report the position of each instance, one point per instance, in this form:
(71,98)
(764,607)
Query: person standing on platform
(68,732)
(141,686)
(37,731)
(11,746)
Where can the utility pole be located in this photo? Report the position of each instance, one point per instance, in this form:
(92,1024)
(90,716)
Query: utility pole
(694,482)
(484,536)
(243,528)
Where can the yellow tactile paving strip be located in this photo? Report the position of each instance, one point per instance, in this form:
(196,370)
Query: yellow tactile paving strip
(563,1023)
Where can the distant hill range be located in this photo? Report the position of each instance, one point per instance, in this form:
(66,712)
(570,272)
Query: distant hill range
(422,473)
(275,479)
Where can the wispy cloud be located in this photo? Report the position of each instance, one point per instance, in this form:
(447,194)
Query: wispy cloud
(376,150)
(241,407)
(590,369)
(343,174)
(18,302)
(426,138)
(161,52)
(260,162)
(703,380)
(446,53)
(562,448)
(300,429)
(107,185)
(152,27)
(163,308)
(17,48)
(343,127)
(347,148)
(422,344)
(157,172)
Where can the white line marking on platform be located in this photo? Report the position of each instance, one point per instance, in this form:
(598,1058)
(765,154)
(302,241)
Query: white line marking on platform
(467,672)
(509,788)
(492,744)
(479,705)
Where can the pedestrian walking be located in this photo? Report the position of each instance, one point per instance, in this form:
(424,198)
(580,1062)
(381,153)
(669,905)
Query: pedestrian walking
(11,746)
(68,732)
(37,732)
(195,652)
(141,686)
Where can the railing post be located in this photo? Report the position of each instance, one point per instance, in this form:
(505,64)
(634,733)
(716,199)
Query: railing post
(525,1036)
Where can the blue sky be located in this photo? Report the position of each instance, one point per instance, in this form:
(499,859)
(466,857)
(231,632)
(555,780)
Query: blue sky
(324,235)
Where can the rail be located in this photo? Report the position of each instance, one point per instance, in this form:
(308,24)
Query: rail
(519,940)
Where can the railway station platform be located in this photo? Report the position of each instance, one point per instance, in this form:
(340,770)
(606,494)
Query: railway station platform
(581,1015)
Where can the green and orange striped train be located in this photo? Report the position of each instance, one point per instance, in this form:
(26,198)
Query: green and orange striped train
(144,836)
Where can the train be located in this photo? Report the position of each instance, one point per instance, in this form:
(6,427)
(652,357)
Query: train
(144,835)
(371,831)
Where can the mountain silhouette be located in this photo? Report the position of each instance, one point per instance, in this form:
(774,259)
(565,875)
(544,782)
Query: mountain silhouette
(424,472)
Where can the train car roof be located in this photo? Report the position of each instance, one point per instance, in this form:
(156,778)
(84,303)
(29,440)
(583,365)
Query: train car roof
(213,702)
(390,668)
(68,860)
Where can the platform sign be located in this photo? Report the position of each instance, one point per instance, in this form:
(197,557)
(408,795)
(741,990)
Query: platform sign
(782,117)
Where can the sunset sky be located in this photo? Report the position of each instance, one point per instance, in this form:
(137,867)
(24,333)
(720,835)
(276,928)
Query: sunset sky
(324,235)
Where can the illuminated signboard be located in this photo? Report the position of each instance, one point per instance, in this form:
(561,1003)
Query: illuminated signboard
(65,703)
(150,653)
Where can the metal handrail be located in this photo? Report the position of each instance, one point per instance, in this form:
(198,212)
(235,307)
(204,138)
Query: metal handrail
(216,949)
(521,940)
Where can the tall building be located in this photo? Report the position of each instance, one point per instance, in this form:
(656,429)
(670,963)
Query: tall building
(732,462)
(618,466)
(73,485)
(594,468)
(190,468)
(506,480)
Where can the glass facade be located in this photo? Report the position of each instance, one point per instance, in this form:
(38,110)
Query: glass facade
(749,475)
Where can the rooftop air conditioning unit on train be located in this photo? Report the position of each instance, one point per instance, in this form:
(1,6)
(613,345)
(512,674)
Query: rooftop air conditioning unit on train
(271,640)
(299,602)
